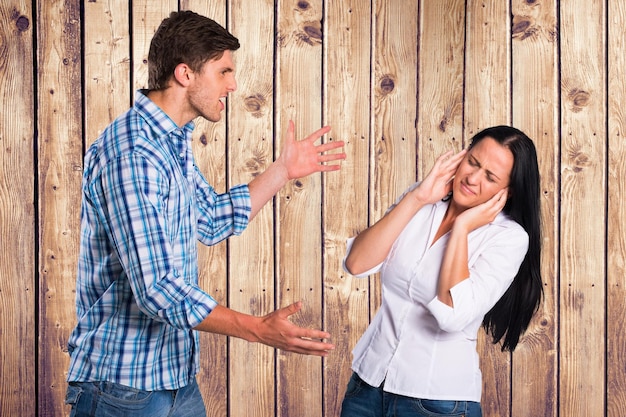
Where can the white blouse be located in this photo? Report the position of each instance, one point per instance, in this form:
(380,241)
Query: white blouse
(419,346)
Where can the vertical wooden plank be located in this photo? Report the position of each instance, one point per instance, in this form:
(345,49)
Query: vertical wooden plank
(298,226)
(251,148)
(393,149)
(583,219)
(536,112)
(441,71)
(487,65)
(209,147)
(616,214)
(146,17)
(488,103)
(106,64)
(17,211)
(60,172)
(347,99)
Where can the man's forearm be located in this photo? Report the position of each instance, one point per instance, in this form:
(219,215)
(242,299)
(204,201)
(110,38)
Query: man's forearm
(225,321)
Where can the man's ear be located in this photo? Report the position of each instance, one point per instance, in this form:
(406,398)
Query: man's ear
(183,74)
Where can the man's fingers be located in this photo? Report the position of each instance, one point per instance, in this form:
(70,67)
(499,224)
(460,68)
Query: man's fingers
(318,133)
(329,146)
(311,347)
(291,309)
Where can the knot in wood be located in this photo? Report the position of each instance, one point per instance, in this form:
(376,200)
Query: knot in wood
(303,5)
(254,104)
(387,84)
(520,24)
(579,99)
(314,32)
(579,160)
(310,34)
(443,123)
(22,23)
(254,165)
(524,27)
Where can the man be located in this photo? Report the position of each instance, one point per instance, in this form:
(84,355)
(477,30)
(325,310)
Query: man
(134,350)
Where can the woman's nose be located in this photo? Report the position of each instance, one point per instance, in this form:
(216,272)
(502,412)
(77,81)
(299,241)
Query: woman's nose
(474,176)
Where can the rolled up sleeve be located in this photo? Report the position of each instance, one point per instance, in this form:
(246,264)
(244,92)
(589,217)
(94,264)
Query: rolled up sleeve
(221,215)
(373,270)
(491,273)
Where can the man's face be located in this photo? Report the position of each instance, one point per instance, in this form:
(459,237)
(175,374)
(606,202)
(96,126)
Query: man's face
(211,85)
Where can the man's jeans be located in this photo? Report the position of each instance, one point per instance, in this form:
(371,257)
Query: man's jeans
(363,400)
(107,399)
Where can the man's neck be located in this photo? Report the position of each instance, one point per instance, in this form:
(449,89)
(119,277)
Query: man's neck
(172,102)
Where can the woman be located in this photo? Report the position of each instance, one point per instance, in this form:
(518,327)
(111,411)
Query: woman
(458,249)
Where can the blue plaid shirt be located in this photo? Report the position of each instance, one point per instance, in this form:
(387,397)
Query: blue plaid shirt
(144,206)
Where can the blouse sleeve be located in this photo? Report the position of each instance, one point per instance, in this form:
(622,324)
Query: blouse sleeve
(350,241)
(493,265)
(374,270)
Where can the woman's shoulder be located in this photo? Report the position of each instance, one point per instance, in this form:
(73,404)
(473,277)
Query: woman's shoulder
(503,225)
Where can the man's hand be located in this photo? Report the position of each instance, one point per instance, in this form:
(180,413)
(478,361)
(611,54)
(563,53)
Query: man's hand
(277,331)
(273,329)
(302,158)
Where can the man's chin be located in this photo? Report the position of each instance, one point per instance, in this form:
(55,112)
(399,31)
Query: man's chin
(213,118)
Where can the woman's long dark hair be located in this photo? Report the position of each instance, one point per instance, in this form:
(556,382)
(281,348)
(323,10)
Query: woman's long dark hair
(511,315)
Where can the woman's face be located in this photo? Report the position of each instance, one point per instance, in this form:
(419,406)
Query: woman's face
(485,170)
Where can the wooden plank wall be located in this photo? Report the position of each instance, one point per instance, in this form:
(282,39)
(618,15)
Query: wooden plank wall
(400,82)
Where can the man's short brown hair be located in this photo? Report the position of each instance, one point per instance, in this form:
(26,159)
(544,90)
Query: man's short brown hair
(185,37)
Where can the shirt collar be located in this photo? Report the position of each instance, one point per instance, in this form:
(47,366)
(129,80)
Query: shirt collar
(157,118)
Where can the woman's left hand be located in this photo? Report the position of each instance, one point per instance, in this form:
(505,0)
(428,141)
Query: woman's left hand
(480,215)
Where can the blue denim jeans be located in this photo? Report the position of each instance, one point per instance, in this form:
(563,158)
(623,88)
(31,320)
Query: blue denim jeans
(363,400)
(107,399)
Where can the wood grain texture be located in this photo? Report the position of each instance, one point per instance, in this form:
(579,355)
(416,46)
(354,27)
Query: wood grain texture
(298,97)
(146,18)
(488,103)
(393,149)
(347,97)
(17,212)
(616,214)
(106,65)
(60,172)
(583,202)
(535,111)
(441,80)
(251,149)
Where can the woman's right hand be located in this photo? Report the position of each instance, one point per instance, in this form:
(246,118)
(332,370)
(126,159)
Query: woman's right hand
(438,182)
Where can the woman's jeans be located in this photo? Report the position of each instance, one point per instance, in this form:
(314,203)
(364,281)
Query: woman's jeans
(107,399)
(363,400)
